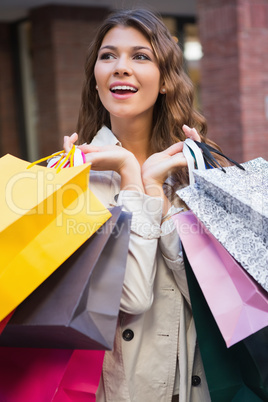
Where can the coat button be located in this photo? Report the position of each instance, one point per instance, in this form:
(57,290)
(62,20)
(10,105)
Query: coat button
(196,380)
(128,335)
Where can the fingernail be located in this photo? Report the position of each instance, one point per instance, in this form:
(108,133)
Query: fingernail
(185,125)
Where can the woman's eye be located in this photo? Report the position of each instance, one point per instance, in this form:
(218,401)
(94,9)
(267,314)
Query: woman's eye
(106,56)
(141,56)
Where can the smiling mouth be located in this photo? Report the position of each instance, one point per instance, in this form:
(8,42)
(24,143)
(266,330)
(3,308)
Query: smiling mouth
(123,89)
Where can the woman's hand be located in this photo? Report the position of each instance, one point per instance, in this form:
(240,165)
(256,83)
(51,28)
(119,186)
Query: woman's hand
(111,157)
(160,165)
(157,168)
(108,157)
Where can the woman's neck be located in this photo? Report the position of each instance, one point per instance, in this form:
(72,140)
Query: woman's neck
(134,136)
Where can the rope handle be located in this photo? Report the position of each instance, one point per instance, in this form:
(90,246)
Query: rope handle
(61,162)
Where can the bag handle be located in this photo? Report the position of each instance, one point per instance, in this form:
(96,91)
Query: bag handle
(194,158)
(209,158)
(198,156)
(190,162)
(61,162)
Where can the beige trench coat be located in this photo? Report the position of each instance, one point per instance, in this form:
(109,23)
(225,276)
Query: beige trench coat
(155,353)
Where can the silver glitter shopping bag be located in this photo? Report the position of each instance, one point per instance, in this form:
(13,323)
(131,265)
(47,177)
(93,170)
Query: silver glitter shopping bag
(233,206)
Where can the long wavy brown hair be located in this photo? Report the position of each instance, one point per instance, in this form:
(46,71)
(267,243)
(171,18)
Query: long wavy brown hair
(171,110)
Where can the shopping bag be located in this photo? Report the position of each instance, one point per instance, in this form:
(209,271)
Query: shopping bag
(45,217)
(4,322)
(234,207)
(239,305)
(253,352)
(78,305)
(49,375)
(235,374)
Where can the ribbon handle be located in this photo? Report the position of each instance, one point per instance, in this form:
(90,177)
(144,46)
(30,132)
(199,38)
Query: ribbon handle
(61,162)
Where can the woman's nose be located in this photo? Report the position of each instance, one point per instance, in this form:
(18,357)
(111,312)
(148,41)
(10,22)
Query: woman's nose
(123,67)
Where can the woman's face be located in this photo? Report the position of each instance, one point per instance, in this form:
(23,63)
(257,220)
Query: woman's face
(127,74)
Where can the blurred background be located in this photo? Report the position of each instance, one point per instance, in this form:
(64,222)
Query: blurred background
(42,53)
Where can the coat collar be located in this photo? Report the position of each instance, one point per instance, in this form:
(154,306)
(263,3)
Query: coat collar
(105,137)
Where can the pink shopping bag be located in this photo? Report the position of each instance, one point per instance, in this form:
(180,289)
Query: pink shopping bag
(238,304)
(49,375)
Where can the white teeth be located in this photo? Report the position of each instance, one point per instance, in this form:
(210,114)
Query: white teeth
(123,88)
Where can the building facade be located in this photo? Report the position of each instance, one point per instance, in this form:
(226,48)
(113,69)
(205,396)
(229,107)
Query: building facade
(42,57)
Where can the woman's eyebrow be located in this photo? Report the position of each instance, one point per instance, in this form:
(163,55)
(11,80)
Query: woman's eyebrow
(135,48)
(143,48)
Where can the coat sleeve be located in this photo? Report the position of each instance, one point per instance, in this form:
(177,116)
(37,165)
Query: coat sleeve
(137,295)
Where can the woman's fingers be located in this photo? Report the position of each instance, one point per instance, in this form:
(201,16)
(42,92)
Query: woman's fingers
(88,148)
(191,133)
(174,149)
(107,157)
(162,164)
(68,142)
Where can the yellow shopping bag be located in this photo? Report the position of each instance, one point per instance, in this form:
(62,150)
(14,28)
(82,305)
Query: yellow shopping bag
(45,217)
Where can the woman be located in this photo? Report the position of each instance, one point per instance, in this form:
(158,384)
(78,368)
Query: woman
(137,106)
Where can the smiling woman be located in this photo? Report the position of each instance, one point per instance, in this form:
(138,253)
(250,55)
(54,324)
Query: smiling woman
(136,109)
(126,59)
(170,112)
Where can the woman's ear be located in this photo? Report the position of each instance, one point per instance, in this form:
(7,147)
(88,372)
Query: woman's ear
(162,88)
